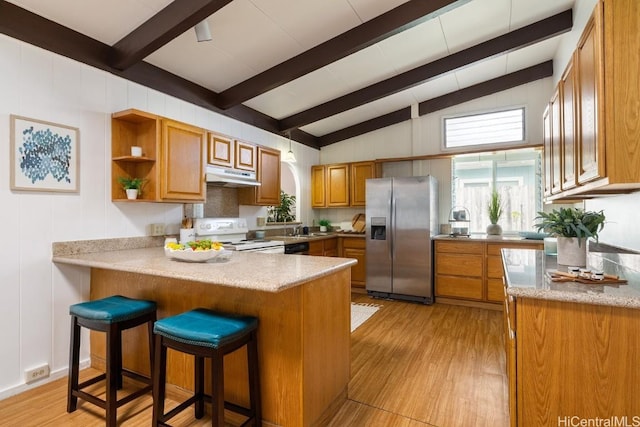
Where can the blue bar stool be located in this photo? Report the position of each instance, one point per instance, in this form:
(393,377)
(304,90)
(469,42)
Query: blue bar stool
(204,334)
(111,315)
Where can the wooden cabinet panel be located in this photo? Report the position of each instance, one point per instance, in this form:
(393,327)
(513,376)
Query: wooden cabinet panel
(556,142)
(219,150)
(460,247)
(459,287)
(318,183)
(268,174)
(182,164)
(316,247)
(360,172)
(547,151)
(337,187)
(459,264)
(495,291)
(568,166)
(245,156)
(355,247)
(494,268)
(590,75)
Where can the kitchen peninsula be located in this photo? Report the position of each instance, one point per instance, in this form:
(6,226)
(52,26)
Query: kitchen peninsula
(302,303)
(572,348)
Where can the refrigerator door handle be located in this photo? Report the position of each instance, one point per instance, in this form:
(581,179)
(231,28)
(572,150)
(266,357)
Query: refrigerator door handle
(392,229)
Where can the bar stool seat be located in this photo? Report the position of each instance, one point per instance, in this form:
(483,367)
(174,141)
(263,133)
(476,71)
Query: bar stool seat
(111,315)
(204,334)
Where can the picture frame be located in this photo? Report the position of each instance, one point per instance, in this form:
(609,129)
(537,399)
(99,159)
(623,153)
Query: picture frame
(45,156)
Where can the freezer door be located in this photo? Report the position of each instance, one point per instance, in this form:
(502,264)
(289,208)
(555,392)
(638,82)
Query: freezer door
(411,236)
(378,235)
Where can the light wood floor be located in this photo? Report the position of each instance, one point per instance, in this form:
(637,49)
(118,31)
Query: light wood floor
(411,366)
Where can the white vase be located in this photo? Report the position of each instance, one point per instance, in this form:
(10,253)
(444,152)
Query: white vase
(323,228)
(132,193)
(572,251)
(494,230)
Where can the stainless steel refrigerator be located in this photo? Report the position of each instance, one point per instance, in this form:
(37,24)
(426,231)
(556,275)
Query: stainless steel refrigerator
(401,217)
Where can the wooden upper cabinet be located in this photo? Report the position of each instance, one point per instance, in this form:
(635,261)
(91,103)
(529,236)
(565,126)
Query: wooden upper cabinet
(245,156)
(360,172)
(220,150)
(172,162)
(547,151)
(268,174)
(337,187)
(556,141)
(182,167)
(318,182)
(590,86)
(567,85)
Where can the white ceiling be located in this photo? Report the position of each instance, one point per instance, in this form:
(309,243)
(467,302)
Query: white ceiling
(250,36)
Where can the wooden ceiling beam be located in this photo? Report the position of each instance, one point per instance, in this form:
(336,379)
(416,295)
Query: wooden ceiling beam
(379,28)
(178,17)
(28,27)
(517,78)
(506,43)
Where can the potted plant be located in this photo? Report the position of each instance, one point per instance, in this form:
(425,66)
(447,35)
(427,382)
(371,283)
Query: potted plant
(495,212)
(324,224)
(282,212)
(132,186)
(572,227)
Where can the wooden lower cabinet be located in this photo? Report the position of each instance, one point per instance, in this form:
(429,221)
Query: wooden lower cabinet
(355,247)
(325,247)
(569,359)
(471,270)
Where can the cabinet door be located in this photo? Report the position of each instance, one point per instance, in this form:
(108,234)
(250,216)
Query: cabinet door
(556,142)
(360,172)
(182,162)
(567,86)
(318,183)
(220,150)
(547,151)
(337,185)
(316,248)
(268,193)
(589,69)
(245,156)
(358,271)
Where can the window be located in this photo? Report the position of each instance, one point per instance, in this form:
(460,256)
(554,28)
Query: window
(498,127)
(514,174)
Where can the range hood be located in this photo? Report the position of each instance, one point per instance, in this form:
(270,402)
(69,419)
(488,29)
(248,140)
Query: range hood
(228,177)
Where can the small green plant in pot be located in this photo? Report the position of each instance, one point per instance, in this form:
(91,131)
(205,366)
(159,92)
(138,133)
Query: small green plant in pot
(324,224)
(132,186)
(495,212)
(572,227)
(282,212)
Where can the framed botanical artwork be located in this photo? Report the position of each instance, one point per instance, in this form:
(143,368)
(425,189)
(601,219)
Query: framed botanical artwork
(44,156)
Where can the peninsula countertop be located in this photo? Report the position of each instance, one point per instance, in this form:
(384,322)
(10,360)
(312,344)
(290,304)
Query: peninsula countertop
(256,271)
(526,277)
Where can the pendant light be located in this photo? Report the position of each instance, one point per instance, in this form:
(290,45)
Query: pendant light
(290,157)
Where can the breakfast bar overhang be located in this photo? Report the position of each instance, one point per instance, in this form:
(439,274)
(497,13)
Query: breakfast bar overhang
(302,303)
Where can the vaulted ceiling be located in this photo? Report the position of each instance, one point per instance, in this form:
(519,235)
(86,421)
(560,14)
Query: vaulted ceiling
(323,70)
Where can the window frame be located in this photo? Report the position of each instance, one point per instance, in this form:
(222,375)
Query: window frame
(484,147)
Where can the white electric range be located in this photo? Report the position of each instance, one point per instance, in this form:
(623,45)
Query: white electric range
(232,232)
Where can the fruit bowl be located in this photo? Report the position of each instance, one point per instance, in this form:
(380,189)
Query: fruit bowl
(198,251)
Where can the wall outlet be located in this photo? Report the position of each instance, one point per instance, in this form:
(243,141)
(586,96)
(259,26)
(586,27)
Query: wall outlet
(157,229)
(34,374)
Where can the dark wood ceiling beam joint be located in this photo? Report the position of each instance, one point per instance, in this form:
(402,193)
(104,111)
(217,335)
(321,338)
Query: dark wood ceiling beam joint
(178,17)
(517,39)
(379,28)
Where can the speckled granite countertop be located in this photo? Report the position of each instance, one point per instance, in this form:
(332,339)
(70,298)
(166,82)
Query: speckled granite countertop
(526,277)
(262,272)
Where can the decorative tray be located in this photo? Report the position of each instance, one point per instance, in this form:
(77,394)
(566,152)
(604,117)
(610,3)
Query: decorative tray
(561,276)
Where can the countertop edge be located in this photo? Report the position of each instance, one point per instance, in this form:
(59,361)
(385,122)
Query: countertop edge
(551,295)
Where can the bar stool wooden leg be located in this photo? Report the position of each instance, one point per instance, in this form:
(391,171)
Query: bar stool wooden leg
(199,386)
(113,374)
(217,389)
(159,380)
(254,378)
(74,362)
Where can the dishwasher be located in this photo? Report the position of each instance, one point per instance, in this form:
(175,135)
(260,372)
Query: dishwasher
(298,248)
